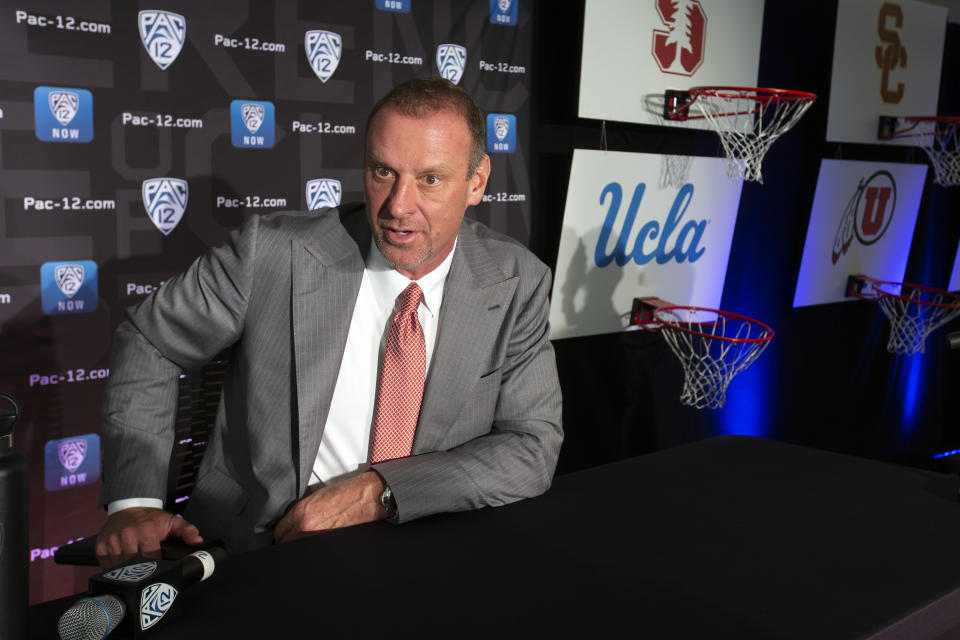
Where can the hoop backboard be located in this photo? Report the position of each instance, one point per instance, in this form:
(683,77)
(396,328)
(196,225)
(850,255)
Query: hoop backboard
(634,51)
(871,77)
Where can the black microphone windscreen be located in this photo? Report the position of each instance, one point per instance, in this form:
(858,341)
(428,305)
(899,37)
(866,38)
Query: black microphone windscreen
(91,618)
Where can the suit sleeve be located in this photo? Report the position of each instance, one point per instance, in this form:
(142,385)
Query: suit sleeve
(184,324)
(518,456)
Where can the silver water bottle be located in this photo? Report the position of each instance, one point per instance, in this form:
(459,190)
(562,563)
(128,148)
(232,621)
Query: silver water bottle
(13,527)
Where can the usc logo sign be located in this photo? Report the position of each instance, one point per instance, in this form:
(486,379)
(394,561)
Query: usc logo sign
(893,55)
(679,49)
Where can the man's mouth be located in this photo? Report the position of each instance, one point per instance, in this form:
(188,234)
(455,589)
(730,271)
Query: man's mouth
(398,236)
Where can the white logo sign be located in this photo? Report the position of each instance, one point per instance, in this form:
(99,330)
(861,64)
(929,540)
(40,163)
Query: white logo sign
(155,601)
(504,5)
(623,238)
(501,127)
(63,105)
(323,192)
(854,229)
(252,115)
(162,34)
(132,573)
(165,200)
(323,52)
(72,454)
(69,277)
(451,61)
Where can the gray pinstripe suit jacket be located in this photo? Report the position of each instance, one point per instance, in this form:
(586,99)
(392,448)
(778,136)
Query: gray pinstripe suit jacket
(281,291)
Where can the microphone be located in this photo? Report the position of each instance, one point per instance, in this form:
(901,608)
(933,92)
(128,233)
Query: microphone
(145,587)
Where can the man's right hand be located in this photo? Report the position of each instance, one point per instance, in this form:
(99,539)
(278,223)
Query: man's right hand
(138,531)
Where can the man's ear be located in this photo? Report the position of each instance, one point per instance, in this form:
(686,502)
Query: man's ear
(478,181)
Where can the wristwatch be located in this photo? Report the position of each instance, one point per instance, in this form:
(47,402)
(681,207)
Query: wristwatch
(388,502)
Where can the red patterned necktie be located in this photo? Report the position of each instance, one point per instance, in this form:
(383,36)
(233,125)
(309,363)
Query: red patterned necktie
(401,380)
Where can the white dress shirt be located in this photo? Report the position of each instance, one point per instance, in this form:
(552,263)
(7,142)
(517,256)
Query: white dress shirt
(345,446)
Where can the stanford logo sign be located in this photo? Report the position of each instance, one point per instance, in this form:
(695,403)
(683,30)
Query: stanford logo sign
(680,48)
(868,214)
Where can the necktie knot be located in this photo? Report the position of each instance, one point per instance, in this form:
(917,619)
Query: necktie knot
(409,299)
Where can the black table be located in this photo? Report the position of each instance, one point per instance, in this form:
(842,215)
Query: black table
(729,537)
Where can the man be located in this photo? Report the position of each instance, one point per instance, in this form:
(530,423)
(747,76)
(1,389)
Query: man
(307,437)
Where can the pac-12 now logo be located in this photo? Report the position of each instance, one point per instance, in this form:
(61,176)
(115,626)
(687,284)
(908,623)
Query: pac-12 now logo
(63,115)
(324,49)
(252,124)
(868,214)
(323,192)
(655,241)
(165,200)
(501,133)
(71,462)
(680,48)
(397,6)
(503,12)
(162,34)
(451,61)
(68,287)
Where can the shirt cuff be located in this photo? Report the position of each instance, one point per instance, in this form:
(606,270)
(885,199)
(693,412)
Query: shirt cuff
(120,505)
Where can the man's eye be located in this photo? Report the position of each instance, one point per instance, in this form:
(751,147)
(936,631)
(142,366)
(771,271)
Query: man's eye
(431,180)
(381,172)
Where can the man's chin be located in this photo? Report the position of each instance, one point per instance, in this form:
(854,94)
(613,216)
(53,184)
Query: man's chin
(400,259)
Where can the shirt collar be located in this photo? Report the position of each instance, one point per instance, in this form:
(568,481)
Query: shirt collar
(387,282)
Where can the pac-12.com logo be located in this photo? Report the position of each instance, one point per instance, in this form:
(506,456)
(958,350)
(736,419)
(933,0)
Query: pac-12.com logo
(451,61)
(71,462)
(162,34)
(868,214)
(252,124)
(501,133)
(165,200)
(323,49)
(680,48)
(63,115)
(503,12)
(68,287)
(323,192)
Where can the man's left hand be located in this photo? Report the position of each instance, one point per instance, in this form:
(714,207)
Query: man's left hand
(344,504)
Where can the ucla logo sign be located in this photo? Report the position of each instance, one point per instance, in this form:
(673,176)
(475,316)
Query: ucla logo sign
(162,34)
(165,200)
(451,61)
(71,462)
(324,49)
(155,601)
(62,114)
(673,239)
(322,193)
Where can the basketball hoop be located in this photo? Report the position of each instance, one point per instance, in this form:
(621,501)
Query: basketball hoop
(713,346)
(939,136)
(914,310)
(747,119)
(674,171)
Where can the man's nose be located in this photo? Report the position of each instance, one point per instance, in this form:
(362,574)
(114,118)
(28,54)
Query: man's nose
(403,197)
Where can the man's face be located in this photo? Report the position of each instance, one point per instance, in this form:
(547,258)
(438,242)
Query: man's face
(417,189)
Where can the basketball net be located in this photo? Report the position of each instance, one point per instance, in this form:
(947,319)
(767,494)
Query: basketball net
(748,122)
(713,346)
(942,144)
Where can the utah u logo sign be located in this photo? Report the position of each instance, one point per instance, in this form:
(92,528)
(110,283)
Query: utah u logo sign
(680,48)
(868,213)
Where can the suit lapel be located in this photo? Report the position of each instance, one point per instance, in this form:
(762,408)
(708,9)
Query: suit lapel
(327,270)
(475,299)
